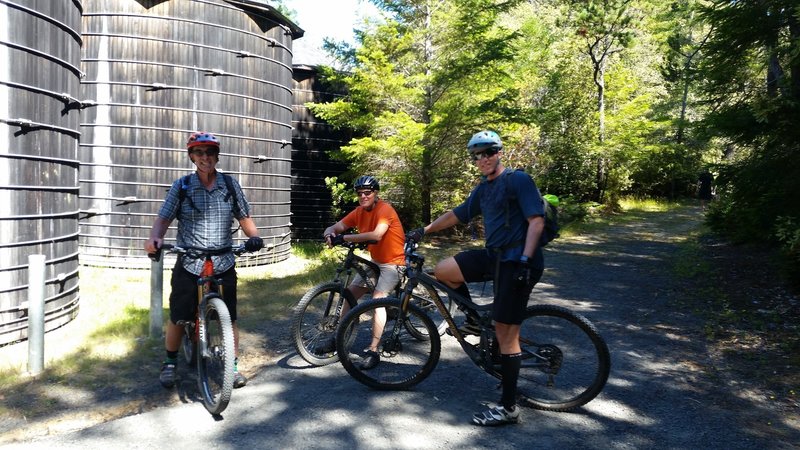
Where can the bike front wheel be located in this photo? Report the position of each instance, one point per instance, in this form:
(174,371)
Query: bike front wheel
(215,362)
(405,360)
(565,361)
(314,322)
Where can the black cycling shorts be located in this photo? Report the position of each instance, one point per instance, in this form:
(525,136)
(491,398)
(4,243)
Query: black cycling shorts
(511,298)
(183,298)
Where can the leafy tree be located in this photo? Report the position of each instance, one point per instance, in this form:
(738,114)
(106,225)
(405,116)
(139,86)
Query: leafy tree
(751,68)
(605,28)
(671,157)
(596,104)
(686,38)
(418,86)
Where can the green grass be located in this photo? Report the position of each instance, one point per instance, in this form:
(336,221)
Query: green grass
(107,346)
(593,217)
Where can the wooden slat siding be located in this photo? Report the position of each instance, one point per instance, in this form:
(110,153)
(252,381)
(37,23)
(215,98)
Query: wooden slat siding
(175,67)
(40,57)
(311,139)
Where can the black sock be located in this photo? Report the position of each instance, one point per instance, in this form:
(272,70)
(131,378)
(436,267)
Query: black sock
(463,291)
(509,367)
(172,356)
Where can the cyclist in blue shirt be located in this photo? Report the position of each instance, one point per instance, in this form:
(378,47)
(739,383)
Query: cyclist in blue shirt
(513,218)
(205,211)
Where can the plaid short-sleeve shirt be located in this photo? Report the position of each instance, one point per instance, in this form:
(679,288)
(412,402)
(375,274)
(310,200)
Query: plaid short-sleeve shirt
(205,218)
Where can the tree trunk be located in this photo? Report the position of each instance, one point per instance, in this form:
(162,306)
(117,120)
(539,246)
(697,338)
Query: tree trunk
(684,102)
(600,82)
(427,160)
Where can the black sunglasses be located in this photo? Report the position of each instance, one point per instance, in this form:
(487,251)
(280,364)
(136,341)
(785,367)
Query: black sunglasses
(488,153)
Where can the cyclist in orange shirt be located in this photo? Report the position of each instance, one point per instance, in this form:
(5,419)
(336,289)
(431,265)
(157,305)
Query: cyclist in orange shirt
(375,220)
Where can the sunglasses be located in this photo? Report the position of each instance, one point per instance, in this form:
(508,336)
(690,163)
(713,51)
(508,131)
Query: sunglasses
(477,156)
(364,193)
(200,152)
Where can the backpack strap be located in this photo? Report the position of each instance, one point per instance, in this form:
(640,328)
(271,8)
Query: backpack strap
(509,197)
(231,190)
(231,195)
(184,191)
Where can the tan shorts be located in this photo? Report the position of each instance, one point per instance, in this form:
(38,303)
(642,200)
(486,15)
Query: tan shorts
(386,282)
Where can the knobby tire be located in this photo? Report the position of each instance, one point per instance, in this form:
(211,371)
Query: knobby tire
(405,360)
(215,368)
(315,320)
(565,363)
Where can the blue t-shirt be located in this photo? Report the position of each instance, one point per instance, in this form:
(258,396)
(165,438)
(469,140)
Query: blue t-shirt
(506,203)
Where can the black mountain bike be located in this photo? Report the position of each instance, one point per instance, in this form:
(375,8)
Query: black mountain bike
(208,339)
(317,315)
(565,361)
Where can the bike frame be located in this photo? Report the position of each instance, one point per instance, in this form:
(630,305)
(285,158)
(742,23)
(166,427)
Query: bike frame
(206,284)
(415,276)
(481,354)
(353,262)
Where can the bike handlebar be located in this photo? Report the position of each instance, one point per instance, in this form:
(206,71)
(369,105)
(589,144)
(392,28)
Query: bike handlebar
(354,245)
(412,257)
(200,252)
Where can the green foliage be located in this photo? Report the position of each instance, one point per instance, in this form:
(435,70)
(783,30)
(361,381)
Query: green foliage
(787,231)
(596,99)
(418,86)
(285,10)
(754,42)
(341,195)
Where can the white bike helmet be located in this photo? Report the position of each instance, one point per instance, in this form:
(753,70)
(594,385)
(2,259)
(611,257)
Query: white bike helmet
(484,140)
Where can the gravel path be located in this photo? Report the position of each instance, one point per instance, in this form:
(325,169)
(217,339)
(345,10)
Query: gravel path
(667,389)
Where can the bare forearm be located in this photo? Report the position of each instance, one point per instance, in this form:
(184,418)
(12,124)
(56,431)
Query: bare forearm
(157,233)
(442,222)
(336,228)
(374,235)
(248,226)
(535,228)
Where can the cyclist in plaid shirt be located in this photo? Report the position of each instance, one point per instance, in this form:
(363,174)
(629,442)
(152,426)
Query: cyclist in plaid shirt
(205,209)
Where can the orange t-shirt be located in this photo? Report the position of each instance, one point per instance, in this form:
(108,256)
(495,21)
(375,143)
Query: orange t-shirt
(389,250)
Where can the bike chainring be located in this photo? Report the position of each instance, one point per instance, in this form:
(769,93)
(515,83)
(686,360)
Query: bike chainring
(553,356)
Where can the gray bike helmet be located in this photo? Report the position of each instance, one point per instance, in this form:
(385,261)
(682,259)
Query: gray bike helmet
(367,182)
(484,140)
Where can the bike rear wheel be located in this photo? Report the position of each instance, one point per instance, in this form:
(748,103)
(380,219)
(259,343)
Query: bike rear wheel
(565,361)
(315,319)
(405,360)
(215,365)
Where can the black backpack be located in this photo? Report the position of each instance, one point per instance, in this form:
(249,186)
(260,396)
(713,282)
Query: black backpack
(550,231)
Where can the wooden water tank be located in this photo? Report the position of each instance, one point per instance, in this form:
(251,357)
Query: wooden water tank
(159,70)
(40,49)
(312,139)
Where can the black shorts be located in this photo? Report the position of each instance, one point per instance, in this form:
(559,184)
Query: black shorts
(183,299)
(511,298)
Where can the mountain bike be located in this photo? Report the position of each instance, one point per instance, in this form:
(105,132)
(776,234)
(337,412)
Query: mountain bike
(208,341)
(565,362)
(317,315)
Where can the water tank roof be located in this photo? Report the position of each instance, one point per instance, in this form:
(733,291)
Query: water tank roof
(264,8)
